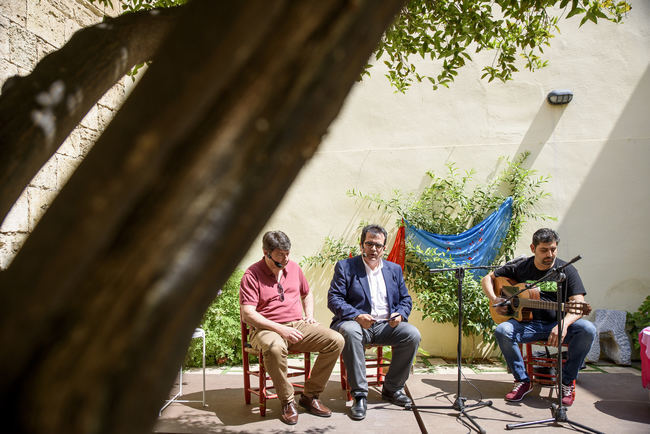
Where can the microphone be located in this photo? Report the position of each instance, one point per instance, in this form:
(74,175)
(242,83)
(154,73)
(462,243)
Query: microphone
(364,255)
(558,272)
(277,264)
(562,267)
(576,259)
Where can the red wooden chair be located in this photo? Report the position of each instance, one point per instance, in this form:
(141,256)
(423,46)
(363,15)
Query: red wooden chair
(376,362)
(541,369)
(263,390)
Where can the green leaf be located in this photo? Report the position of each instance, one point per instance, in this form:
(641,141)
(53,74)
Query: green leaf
(575,11)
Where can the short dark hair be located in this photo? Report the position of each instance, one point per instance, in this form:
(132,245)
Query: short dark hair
(375,229)
(545,235)
(275,240)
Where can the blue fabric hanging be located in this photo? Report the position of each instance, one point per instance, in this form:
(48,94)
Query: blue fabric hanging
(477,246)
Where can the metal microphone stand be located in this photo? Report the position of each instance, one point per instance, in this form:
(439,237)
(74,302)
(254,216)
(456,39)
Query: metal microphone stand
(558,411)
(459,404)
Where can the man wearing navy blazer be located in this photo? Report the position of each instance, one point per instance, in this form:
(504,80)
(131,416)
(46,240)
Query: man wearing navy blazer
(371,305)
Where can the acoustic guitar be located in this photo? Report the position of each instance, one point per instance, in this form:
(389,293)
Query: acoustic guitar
(520,306)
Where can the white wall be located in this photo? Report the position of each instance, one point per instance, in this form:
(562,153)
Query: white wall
(597,150)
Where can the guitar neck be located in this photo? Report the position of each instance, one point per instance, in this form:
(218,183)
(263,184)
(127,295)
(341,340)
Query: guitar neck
(539,304)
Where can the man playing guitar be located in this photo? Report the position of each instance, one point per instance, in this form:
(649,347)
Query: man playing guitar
(577,332)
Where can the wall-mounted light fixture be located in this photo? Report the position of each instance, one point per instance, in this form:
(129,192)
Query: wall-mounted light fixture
(557,97)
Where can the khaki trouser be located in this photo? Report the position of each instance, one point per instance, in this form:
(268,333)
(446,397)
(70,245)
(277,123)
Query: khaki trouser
(317,338)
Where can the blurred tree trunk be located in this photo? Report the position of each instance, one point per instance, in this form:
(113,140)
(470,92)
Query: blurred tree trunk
(97,309)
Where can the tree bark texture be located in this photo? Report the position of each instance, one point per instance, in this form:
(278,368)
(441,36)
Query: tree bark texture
(97,309)
(38,112)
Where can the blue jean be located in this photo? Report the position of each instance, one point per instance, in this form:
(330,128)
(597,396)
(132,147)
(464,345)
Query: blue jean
(405,339)
(579,336)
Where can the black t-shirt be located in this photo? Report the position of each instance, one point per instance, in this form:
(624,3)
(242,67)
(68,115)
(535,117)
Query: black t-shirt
(525,272)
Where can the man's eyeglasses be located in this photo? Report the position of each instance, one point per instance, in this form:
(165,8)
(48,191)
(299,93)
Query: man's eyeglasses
(370,245)
(280,291)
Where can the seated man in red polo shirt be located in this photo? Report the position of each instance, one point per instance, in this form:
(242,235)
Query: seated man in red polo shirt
(273,295)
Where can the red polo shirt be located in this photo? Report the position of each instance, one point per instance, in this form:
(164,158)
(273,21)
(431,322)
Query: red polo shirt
(259,287)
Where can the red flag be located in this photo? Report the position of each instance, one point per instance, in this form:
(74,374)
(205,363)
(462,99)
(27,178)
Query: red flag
(398,252)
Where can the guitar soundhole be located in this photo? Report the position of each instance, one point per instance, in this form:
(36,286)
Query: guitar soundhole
(515,304)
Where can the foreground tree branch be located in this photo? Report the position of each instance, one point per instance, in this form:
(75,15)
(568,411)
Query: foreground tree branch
(107,290)
(38,112)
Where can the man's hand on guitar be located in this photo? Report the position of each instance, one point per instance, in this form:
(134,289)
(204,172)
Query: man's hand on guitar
(501,310)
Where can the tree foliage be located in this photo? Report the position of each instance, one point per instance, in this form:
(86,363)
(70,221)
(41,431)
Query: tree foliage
(448,31)
(222,328)
(137,5)
(452,204)
(334,249)
(637,321)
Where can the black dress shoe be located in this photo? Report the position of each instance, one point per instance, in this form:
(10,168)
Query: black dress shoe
(359,407)
(398,398)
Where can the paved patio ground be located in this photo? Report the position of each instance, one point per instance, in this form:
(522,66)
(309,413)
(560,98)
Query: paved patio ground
(609,399)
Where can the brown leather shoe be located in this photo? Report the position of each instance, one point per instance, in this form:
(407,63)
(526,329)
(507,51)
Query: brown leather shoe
(314,406)
(289,413)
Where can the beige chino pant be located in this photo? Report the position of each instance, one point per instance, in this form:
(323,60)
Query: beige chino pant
(316,339)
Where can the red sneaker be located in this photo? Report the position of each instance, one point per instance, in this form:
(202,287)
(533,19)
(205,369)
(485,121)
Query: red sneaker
(568,394)
(520,389)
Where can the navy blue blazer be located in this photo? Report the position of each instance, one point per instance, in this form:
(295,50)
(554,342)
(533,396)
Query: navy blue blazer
(349,293)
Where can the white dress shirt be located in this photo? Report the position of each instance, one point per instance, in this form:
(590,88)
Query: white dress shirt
(378,297)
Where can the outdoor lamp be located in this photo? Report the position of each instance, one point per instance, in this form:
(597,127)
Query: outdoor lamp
(557,97)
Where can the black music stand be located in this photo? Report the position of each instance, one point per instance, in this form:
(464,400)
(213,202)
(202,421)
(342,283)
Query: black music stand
(558,411)
(459,404)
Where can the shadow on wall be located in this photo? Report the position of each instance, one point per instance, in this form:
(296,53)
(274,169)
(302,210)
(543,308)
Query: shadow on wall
(540,130)
(611,212)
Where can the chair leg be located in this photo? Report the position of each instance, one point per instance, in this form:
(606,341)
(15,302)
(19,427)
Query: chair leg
(204,370)
(574,389)
(380,369)
(528,360)
(344,379)
(307,357)
(247,379)
(262,388)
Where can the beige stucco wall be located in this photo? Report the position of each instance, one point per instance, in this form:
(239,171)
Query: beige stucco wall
(597,150)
